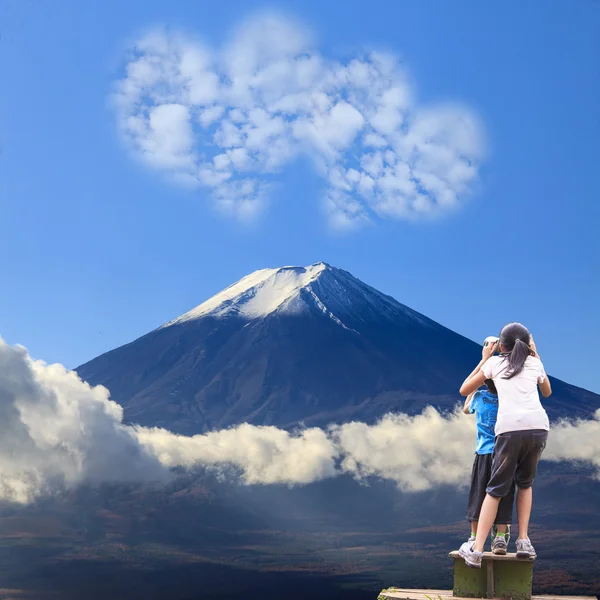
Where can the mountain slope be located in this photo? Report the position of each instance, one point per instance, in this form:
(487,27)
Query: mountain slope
(290,345)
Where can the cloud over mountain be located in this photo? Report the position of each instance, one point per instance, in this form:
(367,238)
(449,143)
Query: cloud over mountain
(231,119)
(259,454)
(56,431)
(418,452)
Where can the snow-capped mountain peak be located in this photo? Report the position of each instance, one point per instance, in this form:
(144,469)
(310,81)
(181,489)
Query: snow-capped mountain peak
(312,345)
(294,290)
(258,294)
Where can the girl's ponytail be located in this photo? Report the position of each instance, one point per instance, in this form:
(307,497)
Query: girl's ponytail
(515,339)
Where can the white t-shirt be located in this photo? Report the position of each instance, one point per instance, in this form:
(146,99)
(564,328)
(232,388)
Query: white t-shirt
(519,406)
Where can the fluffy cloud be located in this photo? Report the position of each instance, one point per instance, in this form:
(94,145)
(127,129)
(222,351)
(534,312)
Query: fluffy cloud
(576,441)
(418,452)
(431,449)
(261,454)
(56,432)
(230,120)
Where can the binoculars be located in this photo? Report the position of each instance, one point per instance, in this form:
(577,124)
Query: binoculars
(490,340)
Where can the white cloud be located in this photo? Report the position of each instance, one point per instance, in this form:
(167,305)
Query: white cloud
(269,96)
(575,441)
(430,449)
(210,115)
(168,140)
(418,452)
(58,432)
(263,454)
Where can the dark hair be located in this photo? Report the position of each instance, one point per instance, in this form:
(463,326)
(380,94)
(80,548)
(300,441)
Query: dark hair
(491,386)
(515,340)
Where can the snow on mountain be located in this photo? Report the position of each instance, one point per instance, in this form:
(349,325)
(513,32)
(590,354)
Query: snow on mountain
(292,290)
(311,345)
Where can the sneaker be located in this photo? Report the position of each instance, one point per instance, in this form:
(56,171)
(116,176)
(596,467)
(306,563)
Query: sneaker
(499,545)
(472,558)
(471,540)
(525,549)
(494,533)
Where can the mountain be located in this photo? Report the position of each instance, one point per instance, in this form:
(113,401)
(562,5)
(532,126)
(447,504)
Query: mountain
(293,345)
(282,346)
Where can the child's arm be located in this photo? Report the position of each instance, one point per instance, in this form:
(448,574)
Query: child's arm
(544,385)
(467,405)
(475,380)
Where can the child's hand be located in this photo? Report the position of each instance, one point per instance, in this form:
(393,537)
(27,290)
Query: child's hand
(533,347)
(489,350)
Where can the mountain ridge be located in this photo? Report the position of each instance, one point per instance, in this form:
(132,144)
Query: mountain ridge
(292,345)
(280,289)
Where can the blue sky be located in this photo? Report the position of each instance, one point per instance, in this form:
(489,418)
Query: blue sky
(99,244)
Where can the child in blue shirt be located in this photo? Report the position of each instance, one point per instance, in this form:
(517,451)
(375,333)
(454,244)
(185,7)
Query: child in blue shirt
(484,404)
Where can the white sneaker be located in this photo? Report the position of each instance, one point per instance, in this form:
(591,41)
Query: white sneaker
(472,558)
(499,545)
(525,549)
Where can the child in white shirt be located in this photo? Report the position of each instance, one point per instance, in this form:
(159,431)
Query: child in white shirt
(521,432)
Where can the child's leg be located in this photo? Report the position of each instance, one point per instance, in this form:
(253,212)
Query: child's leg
(487,516)
(504,465)
(524,503)
(533,445)
(480,475)
(505,512)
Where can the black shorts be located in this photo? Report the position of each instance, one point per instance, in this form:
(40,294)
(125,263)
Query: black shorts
(480,477)
(516,457)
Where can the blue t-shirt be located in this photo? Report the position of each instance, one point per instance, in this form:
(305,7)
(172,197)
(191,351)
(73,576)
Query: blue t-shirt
(485,407)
